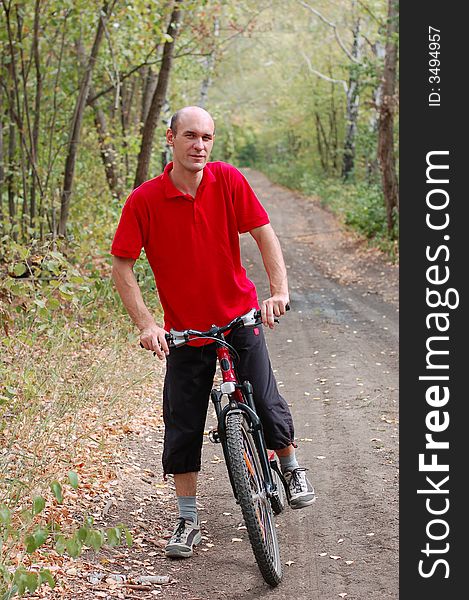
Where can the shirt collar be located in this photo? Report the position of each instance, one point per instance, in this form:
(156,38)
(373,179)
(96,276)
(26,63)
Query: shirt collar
(171,190)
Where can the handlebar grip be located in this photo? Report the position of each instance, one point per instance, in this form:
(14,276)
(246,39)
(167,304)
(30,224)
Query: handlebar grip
(142,346)
(168,336)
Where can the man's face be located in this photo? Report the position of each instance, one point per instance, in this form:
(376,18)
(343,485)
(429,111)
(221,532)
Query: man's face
(193,141)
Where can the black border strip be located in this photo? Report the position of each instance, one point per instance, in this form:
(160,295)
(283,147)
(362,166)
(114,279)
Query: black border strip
(429,199)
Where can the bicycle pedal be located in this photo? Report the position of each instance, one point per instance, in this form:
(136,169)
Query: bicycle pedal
(214,436)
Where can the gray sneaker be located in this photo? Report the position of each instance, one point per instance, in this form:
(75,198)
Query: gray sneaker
(301,490)
(185,536)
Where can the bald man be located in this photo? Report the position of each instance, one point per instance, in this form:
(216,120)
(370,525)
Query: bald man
(188,220)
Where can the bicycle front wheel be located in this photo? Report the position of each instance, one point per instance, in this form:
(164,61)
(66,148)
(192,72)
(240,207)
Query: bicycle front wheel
(248,482)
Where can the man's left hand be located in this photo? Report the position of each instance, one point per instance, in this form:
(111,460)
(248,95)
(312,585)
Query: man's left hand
(275,306)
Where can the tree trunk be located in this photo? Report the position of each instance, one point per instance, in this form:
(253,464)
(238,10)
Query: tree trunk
(11,172)
(158,98)
(333,131)
(106,148)
(166,154)
(353,99)
(150,80)
(15,111)
(37,112)
(2,154)
(386,154)
(323,149)
(75,130)
(209,66)
(372,165)
(108,152)
(24,120)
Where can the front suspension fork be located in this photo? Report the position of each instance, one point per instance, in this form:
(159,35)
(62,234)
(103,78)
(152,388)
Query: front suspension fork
(255,428)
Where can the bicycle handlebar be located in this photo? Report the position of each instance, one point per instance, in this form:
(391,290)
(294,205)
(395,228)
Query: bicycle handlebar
(179,338)
(252,318)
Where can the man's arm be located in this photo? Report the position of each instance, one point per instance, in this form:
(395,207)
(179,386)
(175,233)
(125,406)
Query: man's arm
(272,256)
(152,336)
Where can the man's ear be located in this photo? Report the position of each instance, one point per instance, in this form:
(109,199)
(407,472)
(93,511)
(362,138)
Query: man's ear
(170,136)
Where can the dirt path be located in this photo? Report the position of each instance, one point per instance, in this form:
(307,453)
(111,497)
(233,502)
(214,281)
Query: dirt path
(335,356)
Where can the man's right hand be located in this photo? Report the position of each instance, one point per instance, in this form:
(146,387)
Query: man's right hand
(153,338)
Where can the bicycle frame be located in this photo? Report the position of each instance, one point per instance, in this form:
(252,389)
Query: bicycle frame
(240,399)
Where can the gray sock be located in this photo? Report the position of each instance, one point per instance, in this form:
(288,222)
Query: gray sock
(188,508)
(288,463)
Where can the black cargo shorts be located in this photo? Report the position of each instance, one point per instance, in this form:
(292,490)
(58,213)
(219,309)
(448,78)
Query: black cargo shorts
(188,382)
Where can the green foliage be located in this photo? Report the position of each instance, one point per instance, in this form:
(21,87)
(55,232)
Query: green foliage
(360,206)
(36,536)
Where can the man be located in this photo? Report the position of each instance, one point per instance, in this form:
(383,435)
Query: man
(188,220)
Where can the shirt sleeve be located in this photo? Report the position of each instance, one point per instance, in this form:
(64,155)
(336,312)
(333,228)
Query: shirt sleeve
(248,209)
(129,236)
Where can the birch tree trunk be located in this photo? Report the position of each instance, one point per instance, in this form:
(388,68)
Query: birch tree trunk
(372,166)
(353,100)
(209,66)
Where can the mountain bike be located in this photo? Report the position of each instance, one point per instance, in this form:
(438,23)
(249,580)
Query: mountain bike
(256,479)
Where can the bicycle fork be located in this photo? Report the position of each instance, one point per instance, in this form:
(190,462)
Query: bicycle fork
(241,399)
(255,428)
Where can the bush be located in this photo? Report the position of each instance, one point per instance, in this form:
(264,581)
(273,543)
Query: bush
(360,206)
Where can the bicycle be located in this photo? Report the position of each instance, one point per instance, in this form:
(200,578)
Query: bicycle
(256,479)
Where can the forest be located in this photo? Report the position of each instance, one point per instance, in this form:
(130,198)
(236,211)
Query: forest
(304,91)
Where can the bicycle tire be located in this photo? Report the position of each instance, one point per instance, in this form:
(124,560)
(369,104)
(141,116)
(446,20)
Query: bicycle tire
(250,492)
(279,499)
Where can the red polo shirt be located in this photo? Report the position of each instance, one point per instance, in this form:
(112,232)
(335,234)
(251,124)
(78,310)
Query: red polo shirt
(192,244)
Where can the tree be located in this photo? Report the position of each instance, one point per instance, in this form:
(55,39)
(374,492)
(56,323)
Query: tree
(386,155)
(75,129)
(159,97)
(351,88)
